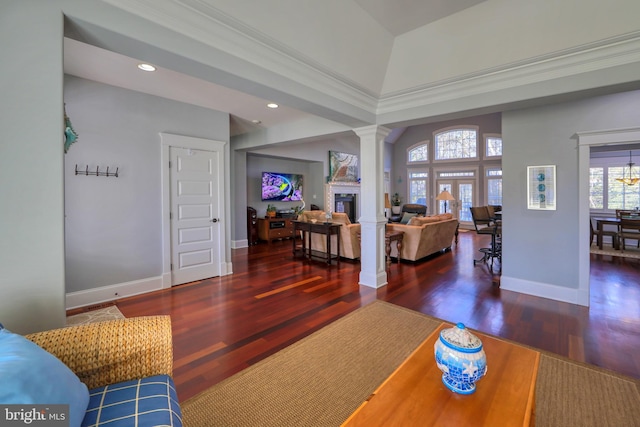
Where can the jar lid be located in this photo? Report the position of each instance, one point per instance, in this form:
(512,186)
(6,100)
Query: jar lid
(459,338)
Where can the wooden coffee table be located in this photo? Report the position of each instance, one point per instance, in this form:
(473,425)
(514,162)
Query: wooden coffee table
(415,395)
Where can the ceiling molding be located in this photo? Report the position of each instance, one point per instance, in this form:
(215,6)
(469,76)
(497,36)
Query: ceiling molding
(202,22)
(602,55)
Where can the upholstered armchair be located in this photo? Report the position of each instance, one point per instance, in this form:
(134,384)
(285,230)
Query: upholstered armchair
(409,208)
(349,239)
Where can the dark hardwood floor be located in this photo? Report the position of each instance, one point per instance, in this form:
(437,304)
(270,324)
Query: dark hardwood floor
(222,325)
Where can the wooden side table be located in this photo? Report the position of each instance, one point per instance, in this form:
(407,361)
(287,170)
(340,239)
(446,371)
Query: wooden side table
(393,236)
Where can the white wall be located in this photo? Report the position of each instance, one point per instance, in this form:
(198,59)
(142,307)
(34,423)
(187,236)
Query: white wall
(31,150)
(114,225)
(540,248)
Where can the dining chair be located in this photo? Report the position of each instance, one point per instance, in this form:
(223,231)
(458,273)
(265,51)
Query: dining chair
(484,224)
(611,233)
(628,229)
(621,212)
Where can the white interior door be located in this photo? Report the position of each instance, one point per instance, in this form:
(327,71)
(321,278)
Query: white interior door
(195,214)
(463,191)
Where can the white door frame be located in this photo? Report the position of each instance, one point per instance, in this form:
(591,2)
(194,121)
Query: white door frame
(586,140)
(181,141)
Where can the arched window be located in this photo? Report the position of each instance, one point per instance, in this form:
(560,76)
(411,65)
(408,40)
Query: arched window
(456,143)
(418,153)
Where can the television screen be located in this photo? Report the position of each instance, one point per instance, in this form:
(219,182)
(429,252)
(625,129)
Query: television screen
(285,187)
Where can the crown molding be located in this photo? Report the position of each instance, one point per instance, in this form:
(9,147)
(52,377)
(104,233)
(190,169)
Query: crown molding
(601,55)
(202,22)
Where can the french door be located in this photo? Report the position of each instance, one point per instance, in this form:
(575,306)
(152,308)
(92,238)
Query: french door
(463,191)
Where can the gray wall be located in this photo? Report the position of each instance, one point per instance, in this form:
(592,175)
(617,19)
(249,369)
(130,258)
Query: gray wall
(541,247)
(113,226)
(312,181)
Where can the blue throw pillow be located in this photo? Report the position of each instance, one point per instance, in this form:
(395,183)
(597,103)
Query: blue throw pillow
(407,217)
(30,375)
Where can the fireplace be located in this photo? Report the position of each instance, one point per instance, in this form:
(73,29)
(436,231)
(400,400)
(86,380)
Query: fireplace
(346,203)
(343,197)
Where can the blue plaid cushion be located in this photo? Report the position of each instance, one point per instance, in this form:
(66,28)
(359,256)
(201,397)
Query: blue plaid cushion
(149,401)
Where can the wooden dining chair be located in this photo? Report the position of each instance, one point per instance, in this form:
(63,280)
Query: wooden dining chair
(628,229)
(611,233)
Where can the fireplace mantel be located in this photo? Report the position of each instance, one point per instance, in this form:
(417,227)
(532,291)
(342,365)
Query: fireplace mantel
(337,187)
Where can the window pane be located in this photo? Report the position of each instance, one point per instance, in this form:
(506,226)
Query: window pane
(596,188)
(621,196)
(418,184)
(494,146)
(465,192)
(456,144)
(418,154)
(494,191)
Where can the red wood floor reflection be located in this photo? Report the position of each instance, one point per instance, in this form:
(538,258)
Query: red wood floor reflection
(222,325)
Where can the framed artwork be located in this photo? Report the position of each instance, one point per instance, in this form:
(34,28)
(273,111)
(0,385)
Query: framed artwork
(343,167)
(541,187)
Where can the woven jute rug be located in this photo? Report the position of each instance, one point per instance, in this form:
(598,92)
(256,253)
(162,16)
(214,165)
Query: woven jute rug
(98,315)
(630,252)
(322,379)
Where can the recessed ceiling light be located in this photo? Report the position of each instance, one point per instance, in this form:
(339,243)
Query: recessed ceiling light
(257,122)
(146,67)
(272,105)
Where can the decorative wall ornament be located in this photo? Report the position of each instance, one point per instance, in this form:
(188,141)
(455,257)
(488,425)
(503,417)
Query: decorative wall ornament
(343,167)
(70,135)
(541,187)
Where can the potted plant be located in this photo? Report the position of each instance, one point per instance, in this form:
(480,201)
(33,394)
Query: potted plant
(396,201)
(271,210)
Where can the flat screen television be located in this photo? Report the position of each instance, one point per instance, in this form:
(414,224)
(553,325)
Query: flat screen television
(281,187)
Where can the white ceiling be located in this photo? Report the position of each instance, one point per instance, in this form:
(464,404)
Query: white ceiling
(93,63)
(401,16)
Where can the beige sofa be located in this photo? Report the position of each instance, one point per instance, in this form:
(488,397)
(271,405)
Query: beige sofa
(424,236)
(349,241)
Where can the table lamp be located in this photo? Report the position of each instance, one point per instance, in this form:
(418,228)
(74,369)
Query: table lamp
(446,196)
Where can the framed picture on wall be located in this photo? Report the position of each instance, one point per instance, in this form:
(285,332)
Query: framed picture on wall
(343,167)
(541,187)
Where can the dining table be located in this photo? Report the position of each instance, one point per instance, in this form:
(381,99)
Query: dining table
(602,221)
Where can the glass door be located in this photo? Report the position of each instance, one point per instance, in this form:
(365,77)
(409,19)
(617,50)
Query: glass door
(463,192)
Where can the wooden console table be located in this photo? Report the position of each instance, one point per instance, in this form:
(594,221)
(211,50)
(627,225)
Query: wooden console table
(326,228)
(415,395)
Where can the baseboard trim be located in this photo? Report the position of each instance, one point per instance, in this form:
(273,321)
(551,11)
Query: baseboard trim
(112,292)
(237,244)
(544,290)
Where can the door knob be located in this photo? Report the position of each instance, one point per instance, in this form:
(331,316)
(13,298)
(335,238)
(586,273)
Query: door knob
(214,220)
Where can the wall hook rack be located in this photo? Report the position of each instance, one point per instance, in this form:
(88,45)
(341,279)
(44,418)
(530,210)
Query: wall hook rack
(97,172)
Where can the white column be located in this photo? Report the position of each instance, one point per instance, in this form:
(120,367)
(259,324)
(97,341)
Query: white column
(372,219)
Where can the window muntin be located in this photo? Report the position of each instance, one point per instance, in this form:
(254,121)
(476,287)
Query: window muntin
(456,144)
(493,145)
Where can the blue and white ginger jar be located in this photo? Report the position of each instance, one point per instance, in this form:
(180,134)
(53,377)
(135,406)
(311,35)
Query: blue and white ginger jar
(459,355)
